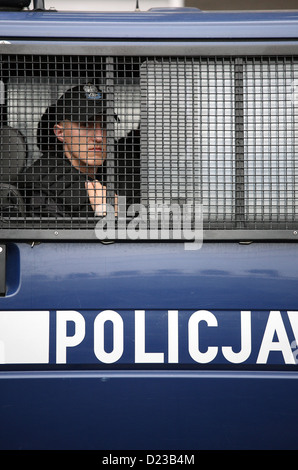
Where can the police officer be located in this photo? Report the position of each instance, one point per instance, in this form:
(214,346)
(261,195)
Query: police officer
(70,178)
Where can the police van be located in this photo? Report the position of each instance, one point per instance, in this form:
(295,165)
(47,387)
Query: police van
(148,273)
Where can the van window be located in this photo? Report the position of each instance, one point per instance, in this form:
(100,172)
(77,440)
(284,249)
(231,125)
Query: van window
(85,139)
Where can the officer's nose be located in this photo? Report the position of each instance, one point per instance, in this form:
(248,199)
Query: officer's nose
(98,134)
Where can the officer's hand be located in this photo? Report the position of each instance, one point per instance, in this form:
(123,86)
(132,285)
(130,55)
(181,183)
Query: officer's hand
(98,197)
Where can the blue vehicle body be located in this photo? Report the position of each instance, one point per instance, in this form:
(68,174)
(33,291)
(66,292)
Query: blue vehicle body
(139,377)
(157,24)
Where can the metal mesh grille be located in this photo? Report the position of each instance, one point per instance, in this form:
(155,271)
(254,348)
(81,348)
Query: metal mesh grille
(223,131)
(220,132)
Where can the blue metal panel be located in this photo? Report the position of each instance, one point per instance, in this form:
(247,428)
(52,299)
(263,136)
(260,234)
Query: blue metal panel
(152,275)
(177,411)
(154,25)
(222,279)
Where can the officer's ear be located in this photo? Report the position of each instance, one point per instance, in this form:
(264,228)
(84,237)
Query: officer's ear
(59,131)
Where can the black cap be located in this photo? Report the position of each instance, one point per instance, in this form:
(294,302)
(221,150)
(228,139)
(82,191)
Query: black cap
(82,103)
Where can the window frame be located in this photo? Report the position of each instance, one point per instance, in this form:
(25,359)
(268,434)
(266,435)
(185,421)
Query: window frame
(233,48)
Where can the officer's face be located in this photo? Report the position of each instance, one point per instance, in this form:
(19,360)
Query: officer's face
(85,145)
